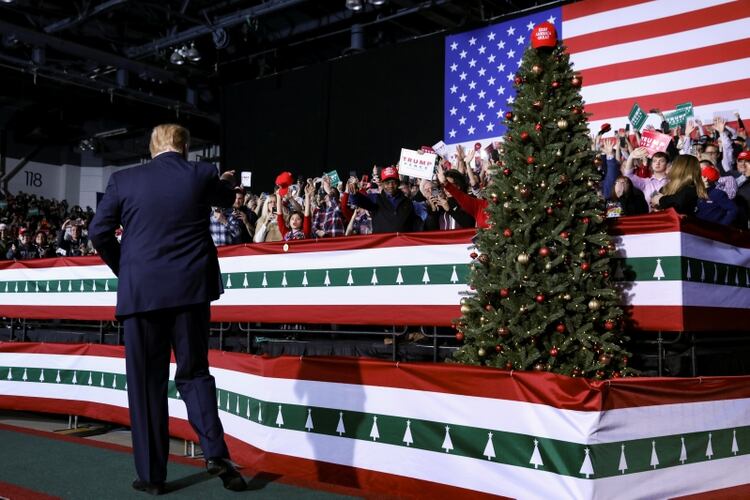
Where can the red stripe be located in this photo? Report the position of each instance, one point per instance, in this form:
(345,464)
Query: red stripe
(13,492)
(657,27)
(533,387)
(671,62)
(699,96)
(586,8)
(733,493)
(687,318)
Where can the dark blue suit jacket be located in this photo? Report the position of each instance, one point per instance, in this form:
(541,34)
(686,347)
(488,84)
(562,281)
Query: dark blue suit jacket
(166,258)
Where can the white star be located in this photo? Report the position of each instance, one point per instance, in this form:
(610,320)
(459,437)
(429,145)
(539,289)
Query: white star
(501,45)
(454,46)
(518,63)
(462,98)
(472,85)
(530,26)
(472,63)
(471,130)
(491,81)
(481,94)
(452,133)
(491,104)
(472,107)
(462,54)
(480,117)
(462,76)
(520,40)
(511,31)
(511,54)
(454,67)
(500,90)
(510,99)
(454,89)
(500,113)
(453,111)
(482,71)
(472,41)
(510,77)
(490,127)
(491,36)
(482,49)
(501,68)
(491,59)
(462,120)
(551,19)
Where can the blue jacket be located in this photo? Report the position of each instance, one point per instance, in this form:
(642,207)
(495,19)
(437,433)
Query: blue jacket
(717,208)
(166,258)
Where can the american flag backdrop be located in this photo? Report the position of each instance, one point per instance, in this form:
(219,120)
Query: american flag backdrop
(657,53)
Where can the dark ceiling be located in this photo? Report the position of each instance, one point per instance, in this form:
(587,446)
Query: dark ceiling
(81,69)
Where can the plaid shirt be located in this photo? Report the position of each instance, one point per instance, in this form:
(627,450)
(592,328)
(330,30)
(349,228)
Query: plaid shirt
(225,235)
(329,220)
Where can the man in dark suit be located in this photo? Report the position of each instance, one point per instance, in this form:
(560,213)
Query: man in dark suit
(168,274)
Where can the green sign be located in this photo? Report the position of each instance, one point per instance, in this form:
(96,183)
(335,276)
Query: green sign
(334,176)
(637,116)
(678,117)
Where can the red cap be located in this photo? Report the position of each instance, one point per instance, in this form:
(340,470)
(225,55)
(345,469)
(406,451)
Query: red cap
(389,173)
(544,35)
(745,155)
(284,180)
(710,173)
(606,127)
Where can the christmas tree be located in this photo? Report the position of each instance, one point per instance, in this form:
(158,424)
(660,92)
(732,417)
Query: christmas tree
(541,295)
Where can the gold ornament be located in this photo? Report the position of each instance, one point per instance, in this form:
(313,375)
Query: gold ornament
(562,124)
(523,258)
(542,184)
(483,320)
(594,305)
(465,309)
(481,352)
(558,152)
(582,255)
(522,309)
(548,266)
(536,69)
(567,296)
(506,205)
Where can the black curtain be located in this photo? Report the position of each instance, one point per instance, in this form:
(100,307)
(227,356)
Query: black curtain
(343,115)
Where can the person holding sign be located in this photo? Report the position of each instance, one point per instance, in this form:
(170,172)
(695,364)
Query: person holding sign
(683,189)
(391,211)
(649,185)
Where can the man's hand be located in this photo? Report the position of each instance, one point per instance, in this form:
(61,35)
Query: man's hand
(443,202)
(460,154)
(440,173)
(639,153)
(719,124)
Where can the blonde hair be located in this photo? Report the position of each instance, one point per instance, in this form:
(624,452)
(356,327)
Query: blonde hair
(168,137)
(685,170)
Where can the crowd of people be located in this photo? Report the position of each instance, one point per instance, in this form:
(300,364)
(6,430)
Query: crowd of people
(702,173)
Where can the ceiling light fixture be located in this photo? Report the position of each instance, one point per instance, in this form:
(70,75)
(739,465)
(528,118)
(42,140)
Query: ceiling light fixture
(355,5)
(192,53)
(176,58)
(377,3)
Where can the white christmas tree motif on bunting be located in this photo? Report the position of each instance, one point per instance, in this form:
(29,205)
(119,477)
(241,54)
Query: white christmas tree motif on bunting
(374,280)
(16,286)
(264,283)
(683,451)
(91,381)
(247,410)
(114,381)
(447,441)
(658,272)
(237,406)
(309,423)
(218,398)
(340,429)
(26,286)
(716,273)
(229,280)
(25,375)
(654,457)
(454,275)
(245,283)
(703,272)
(709,448)
(279,418)
(536,457)
(101,381)
(94,281)
(106,286)
(489,448)
(374,432)
(623,465)
(10,374)
(688,274)
(283,279)
(304,279)
(726,276)
(227,405)
(425,276)
(41,376)
(57,378)
(350,278)
(327,279)
(47,288)
(408,439)
(735,448)
(587,468)
(747,277)
(70,285)
(75,377)
(260,411)
(399,277)
(6,287)
(81,285)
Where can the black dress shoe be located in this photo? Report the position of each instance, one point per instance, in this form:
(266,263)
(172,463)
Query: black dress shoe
(223,468)
(150,488)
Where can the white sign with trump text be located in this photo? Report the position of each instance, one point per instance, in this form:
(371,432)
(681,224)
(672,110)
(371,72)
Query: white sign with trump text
(417,164)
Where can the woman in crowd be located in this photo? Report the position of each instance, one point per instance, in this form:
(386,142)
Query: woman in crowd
(299,222)
(267,229)
(626,199)
(717,207)
(683,188)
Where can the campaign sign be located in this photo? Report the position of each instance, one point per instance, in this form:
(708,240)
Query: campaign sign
(654,141)
(246,179)
(678,117)
(637,116)
(416,164)
(440,148)
(334,176)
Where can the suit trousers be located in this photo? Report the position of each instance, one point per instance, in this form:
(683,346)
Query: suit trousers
(149,339)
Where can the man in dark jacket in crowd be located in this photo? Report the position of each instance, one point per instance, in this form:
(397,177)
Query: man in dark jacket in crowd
(391,211)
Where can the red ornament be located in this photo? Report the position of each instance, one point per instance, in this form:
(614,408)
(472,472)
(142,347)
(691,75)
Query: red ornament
(544,36)
(555,84)
(553,352)
(544,251)
(609,325)
(506,172)
(473,255)
(508,365)
(524,136)
(550,211)
(530,160)
(494,197)
(537,104)
(524,192)
(508,115)
(605,274)
(559,204)
(539,298)
(560,328)
(507,232)
(585,266)
(576,81)
(460,336)
(576,110)
(504,292)
(616,374)
(586,220)
(625,360)
(602,252)
(489,308)
(503,331)
(498,348)
(600,374)
(564,235)
(518,80)
(538,127)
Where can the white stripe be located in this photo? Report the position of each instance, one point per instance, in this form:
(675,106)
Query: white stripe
(57,273)
(80,299)
(63,362)
(81,392)
(699,247)
(684,293)
(712,74)
(647,245)
(703,112)
(636,14)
